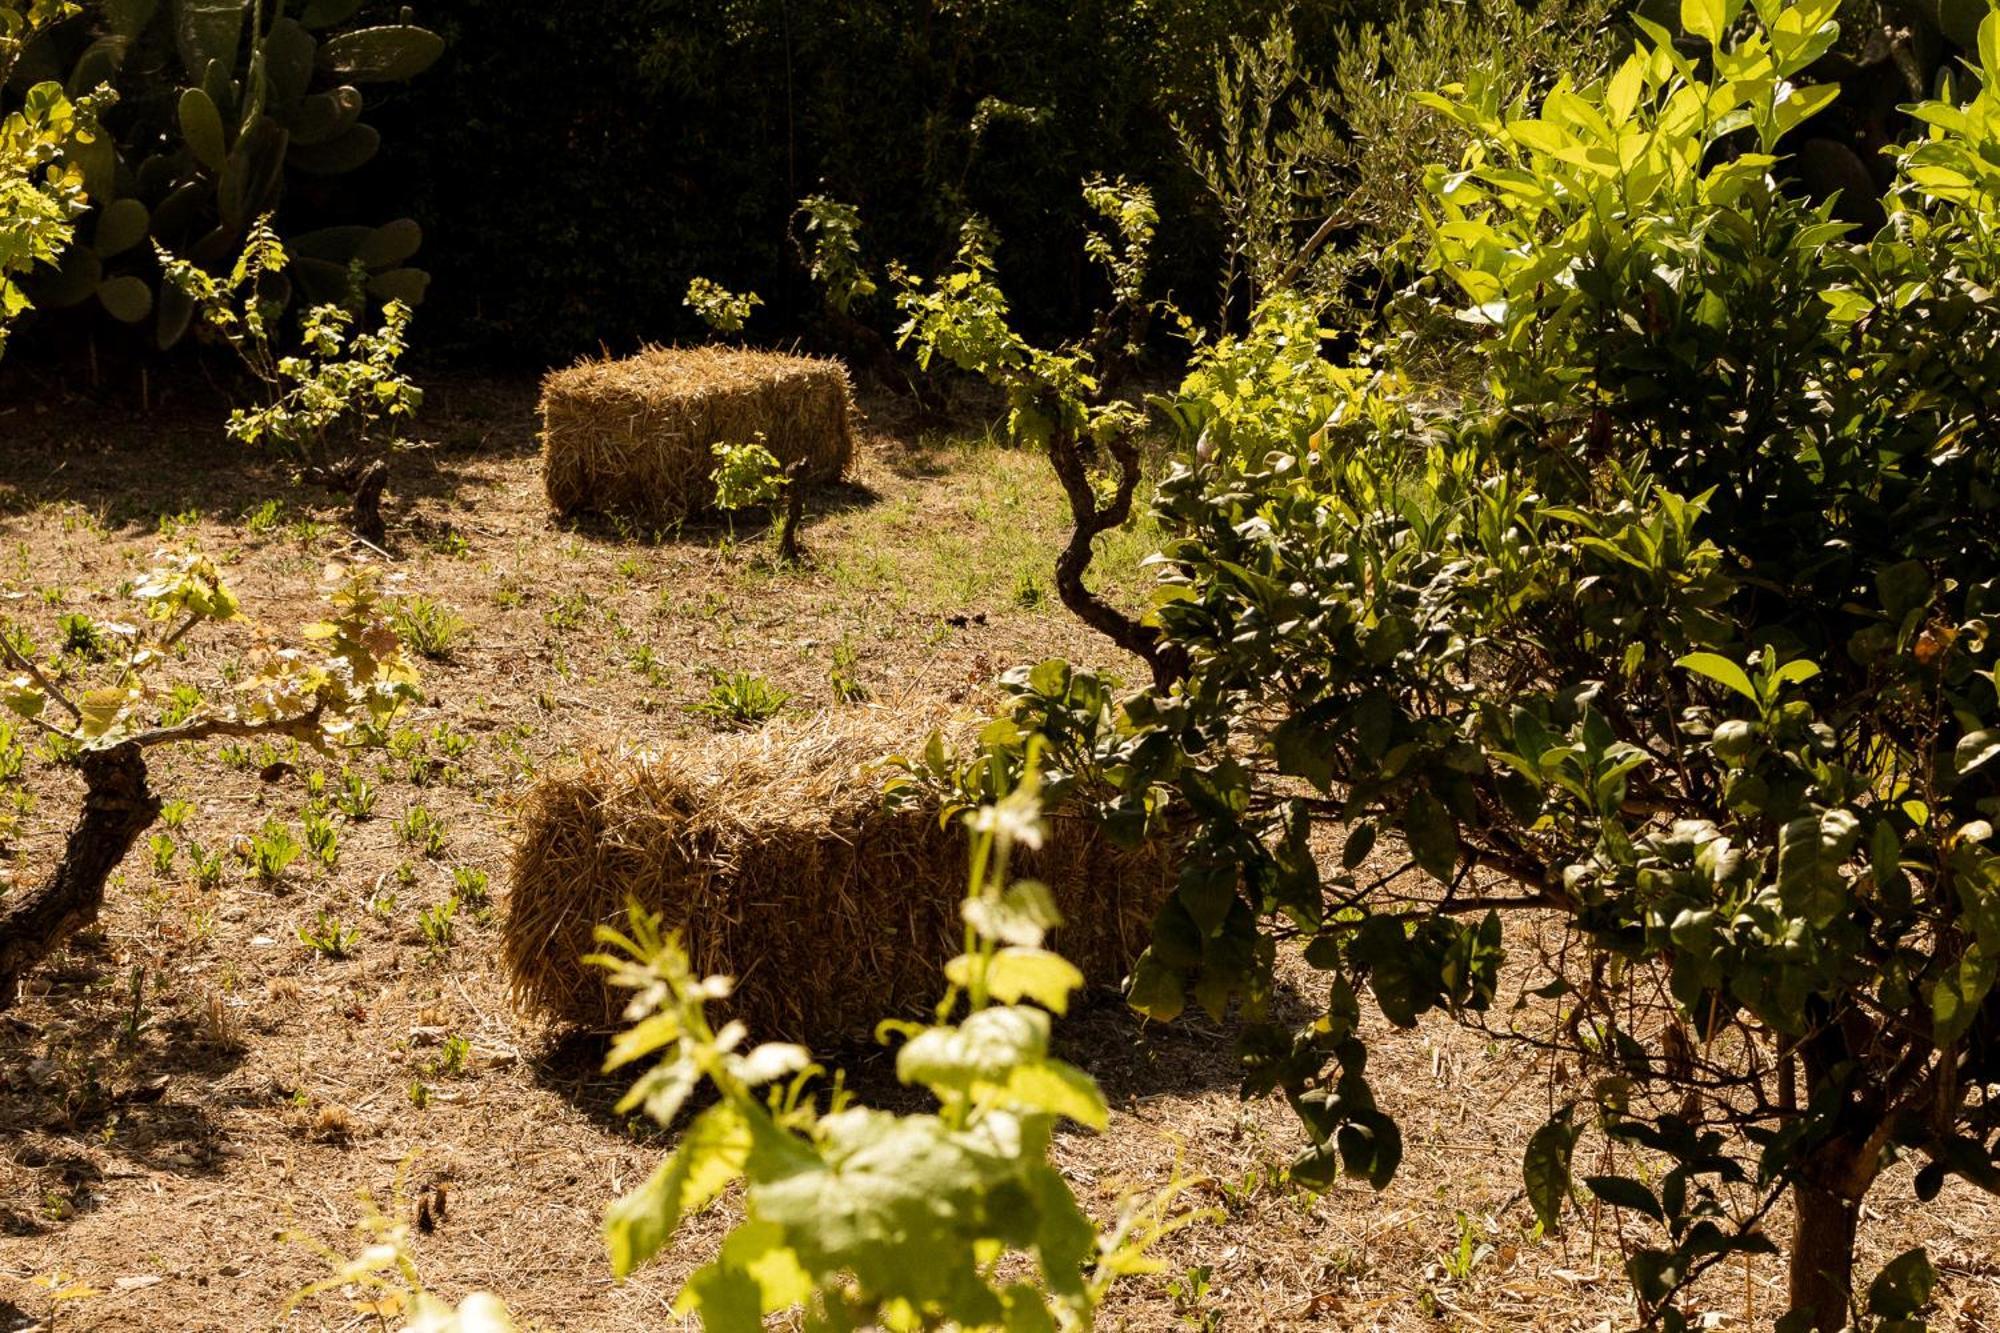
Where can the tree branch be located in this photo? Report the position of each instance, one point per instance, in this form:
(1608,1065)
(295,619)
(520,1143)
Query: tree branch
(21,663)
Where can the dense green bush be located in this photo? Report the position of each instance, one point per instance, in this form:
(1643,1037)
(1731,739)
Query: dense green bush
(1676,633)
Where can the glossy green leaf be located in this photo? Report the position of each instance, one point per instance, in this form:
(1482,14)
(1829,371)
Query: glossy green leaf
(1545,1168)
(1722,671)
(1976,750)
(1904,1286)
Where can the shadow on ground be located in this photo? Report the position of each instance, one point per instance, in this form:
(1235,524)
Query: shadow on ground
(1131,1058)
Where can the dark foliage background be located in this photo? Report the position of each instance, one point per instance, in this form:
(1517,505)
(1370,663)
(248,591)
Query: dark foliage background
(574,164)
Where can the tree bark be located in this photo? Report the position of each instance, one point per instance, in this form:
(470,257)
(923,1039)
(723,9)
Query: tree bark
(1833,1177)
(790,552)
(365,517)
(1090,520)
(1822,1262)
(118,806)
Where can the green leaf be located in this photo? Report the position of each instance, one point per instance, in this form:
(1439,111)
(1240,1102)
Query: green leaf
(1885,852)
(1015,973)
(24,697)
(1624,1192)
(1059,1089)
(897,1200)
(756,1273)
(1432,834)
(1903,588)
(1360,842)
(1722,671)
(1545,1168)
(1811,850)
(126,298)
(1903,1287)
(1404,987)
(1975,751)
(1703,18)
(1795,672)
(101,710)
(1957,995)
(985,1048)
(711,1154)
(391,243)
(121,224)
(1156,989)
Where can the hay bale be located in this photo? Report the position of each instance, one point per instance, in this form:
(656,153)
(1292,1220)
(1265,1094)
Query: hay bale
(773,854)
(632,436)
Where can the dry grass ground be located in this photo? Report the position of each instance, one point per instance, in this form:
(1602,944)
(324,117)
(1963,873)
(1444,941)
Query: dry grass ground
(191,1085)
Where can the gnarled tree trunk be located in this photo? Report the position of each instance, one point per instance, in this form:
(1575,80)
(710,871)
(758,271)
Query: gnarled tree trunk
(1832,1179)
(118,806)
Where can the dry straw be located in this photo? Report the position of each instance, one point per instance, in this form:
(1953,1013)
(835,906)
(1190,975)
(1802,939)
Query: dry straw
(632,436)
(775,857)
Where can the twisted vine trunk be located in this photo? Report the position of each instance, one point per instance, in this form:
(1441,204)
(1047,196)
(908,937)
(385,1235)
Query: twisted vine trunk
(361,481)
(790,552)
(364,516)
(1091,520)
(118,806)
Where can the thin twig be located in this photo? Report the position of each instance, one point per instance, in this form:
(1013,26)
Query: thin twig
(22,663)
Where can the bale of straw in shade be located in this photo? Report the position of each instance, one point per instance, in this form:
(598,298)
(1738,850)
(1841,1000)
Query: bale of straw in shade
(632,436)
(774,855)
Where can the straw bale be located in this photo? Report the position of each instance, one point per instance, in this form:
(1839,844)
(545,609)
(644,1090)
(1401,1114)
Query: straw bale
(631,436)
(774,855)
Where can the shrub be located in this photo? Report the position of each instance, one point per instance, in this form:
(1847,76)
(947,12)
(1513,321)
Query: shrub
(325,405)
(724,311)
(1678,635)
(1059,400)
(740,699)
(746,475)
(433,629)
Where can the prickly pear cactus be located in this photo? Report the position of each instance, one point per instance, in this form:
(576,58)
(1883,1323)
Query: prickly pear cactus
(223,105)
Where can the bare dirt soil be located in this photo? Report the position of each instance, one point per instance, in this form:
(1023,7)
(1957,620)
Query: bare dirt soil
(196,1104)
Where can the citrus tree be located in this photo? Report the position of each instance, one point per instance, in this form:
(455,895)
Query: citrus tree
(1676,637)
